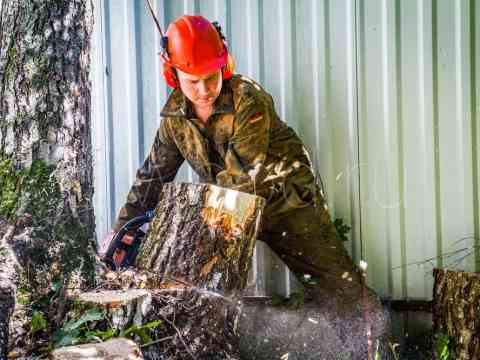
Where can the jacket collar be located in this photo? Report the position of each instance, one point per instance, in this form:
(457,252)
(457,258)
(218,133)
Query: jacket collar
(178,105)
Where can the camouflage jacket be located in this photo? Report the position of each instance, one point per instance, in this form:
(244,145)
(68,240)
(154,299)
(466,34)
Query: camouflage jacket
(244,146)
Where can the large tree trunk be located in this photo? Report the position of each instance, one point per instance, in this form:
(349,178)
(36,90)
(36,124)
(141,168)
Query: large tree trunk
(456,303)
(203,235)
(45,150)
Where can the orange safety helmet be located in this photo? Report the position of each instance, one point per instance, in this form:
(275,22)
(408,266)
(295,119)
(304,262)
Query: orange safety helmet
(197,47)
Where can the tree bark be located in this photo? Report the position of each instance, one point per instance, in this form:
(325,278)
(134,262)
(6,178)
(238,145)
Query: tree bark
(199,324)
(202,236)
(456,300)
(45,143)
(8,283)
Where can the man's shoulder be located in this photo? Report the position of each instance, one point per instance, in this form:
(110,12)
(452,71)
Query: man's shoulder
(245,88)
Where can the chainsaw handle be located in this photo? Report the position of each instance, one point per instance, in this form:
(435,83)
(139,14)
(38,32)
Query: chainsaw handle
(130,225)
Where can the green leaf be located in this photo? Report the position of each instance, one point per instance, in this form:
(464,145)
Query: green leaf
(142,334)
(296,300)
(93,314)
(102,335)
(440,345)
(88,338)
(38,322)
(278,300)
(377,351)
(342,229)
(141,331)
(56,286)
(63,338)
(23,298)
(3,251)
(152,324)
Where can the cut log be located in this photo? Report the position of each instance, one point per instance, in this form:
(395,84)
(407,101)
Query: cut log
(202,235)
(118,349)
(456,304)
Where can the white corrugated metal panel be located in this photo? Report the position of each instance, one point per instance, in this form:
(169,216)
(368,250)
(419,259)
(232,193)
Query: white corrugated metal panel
(415,88)
(384,94)
(419,195)
(101,147)
(475,93)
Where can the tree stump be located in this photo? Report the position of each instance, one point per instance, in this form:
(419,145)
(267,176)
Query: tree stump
(202,235)
(194,323)
(123,308)
(456,304)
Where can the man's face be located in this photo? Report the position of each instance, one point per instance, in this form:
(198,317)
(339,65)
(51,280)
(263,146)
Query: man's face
(202,90)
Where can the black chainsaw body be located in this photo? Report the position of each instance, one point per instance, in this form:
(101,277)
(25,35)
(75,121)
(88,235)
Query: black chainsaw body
(121,253)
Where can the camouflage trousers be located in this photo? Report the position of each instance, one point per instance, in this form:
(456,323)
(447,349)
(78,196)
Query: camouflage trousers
(307,241)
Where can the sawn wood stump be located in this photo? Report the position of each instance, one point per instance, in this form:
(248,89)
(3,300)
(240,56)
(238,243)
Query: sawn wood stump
(456,306)
(202,236)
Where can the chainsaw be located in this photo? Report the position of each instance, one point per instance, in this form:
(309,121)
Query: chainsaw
(123,251)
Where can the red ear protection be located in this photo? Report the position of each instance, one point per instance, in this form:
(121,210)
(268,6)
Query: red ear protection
(169,74)
(229,69)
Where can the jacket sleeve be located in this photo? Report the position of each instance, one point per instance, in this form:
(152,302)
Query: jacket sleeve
(247,147)
(160,166)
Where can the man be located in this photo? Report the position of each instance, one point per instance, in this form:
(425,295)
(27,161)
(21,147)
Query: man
(226,127)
